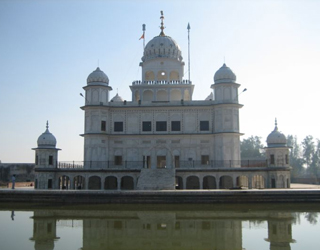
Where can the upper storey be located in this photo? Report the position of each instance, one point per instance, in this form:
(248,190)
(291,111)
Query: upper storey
(162,72)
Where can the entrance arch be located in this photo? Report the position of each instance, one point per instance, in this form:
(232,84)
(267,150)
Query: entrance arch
(64,182)
(79,182)
(226,182)
(127,183)
(209,182)
(94,183)
(258,181)
(193,182)
(179,182)
(111,183)
(242,181)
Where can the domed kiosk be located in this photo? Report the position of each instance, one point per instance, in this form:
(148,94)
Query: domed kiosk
(277,154)
(98,77)
(46,158)
(225,86)
(97,89)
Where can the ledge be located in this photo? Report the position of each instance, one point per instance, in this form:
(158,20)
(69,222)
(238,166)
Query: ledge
(69,197)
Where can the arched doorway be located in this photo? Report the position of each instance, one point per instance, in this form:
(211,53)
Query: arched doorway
(111,182)
(209,182)
(94,183)
(64,182)
(79,182)
(179,182)
(242,181)
(226,182)
(127,183)
(193,182)
(258,181)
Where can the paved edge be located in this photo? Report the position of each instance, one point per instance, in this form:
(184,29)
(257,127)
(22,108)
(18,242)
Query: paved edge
(160,197)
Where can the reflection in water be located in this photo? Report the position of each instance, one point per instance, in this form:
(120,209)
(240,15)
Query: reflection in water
(280,231)
(44,230)
(127,229)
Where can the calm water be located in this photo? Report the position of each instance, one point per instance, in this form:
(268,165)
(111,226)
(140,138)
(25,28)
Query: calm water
(250,227)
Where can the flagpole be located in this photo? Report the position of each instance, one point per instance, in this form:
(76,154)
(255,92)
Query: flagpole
(144,37)
(188,51)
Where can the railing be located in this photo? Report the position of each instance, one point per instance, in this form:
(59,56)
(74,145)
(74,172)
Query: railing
(222,164)
(161,82)
(70,164)
(190,164)
(102,165)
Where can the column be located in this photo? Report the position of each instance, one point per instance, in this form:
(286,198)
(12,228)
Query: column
(103,180)
(118,183)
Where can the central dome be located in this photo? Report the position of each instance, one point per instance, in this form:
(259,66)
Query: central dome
(162,46)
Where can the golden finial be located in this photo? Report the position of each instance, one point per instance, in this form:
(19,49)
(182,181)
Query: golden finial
(162,27)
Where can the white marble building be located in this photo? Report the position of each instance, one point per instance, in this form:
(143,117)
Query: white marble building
(162,138)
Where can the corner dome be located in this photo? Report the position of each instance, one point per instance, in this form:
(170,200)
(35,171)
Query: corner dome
(224,75)
(97,76)
(46,139)
(162,47)
(276,138)
(117,98)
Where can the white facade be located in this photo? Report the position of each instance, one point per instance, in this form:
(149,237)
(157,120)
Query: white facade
(162,128)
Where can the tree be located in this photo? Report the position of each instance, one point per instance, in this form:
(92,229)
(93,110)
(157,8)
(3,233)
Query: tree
(295,157)
(314,168)
(308,150)
(251,148)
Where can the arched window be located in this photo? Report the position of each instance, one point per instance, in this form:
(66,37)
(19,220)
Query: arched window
(149,76)
(174,76)
(147,95)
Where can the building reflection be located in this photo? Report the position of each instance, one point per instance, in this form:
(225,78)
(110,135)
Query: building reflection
(280,231)
(44,230)
(112,229)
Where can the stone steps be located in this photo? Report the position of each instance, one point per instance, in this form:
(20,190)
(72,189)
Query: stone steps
(156,179)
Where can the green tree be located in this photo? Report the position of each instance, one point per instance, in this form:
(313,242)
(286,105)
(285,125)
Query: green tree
(295,157)
(314,168)
(251,148)
(308,150)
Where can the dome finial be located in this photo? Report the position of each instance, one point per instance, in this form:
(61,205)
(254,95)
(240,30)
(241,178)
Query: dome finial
(162,27)
(276,125)
(47,126)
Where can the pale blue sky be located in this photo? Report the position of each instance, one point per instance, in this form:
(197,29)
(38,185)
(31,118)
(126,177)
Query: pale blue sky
(48,48)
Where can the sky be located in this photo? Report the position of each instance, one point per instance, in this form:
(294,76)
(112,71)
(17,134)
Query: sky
(48,49)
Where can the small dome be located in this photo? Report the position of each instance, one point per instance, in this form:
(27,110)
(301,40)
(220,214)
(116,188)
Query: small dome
(162,46)
(224,75)
(97,76)
(47,139)
(276,138)
(117,98)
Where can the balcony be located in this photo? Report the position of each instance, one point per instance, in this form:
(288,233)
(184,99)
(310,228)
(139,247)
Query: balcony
(135,165)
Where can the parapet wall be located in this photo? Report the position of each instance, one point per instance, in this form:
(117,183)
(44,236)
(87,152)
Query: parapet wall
(24,171)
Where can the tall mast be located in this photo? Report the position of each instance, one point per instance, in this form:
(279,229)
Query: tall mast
(144,37)
(188,51)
